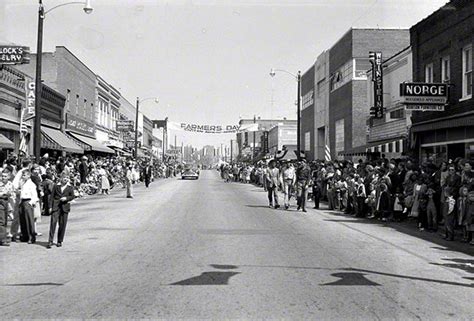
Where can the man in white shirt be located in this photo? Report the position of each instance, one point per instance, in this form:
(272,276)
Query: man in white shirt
(273,183)
(289,180)
(28,199)
(15,226)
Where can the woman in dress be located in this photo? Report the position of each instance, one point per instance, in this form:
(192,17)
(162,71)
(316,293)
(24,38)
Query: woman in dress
(104,180)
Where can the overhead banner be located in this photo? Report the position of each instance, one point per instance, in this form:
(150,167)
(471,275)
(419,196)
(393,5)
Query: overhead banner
(212,129)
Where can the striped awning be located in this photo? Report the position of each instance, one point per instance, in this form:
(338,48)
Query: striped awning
(91,144)
(5,143)
(393,145)
(57,140)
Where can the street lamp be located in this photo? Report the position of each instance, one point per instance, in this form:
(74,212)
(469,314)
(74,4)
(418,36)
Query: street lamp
(297,77)
(39,53)
(136,121)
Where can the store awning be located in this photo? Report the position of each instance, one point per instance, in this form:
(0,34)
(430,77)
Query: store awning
(55,139)
(355,151)
(120,151)
(5,143)
(92,144)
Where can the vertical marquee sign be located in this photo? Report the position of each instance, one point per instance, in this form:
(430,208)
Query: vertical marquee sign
(375,58)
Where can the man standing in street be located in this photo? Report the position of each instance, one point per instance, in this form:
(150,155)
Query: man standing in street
(28,199)
(129,179)
(63,193)
(289,179)
(83,169)
(303,177)
(6,191)
(147,174)
(273,182)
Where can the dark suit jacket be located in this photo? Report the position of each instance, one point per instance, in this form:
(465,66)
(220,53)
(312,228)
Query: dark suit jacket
(147,172)
(56,196)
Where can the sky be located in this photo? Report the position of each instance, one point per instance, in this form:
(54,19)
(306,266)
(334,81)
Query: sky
(208,62)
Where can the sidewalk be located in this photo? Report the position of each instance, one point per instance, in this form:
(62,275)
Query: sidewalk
(409,227)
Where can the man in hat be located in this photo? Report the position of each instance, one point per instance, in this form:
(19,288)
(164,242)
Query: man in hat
(303,178)
(273,179)
(63,194)
(83,169)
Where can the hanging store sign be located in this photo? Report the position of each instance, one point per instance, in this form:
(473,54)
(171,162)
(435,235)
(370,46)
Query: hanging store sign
(424,107)
(125,125)
(212,129)
(424,93)
(30,88)
(14,55)
(376,60)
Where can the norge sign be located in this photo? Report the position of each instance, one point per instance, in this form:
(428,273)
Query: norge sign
(424,93)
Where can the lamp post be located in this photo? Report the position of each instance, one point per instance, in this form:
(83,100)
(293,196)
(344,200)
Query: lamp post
(297,77)
(39,55)
(136,122)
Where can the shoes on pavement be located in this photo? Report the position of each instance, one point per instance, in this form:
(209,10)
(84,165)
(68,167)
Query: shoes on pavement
(38,233)
(298,208)
(270,205)
(4,243)
(129,196)
(59,244)
(277,206)
(286,207)
(50,245)
(304,210)
(29,242)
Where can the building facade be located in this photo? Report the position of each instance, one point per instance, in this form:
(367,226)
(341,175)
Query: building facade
(348,65)
(389,136)
(245,140)
(281,135)
(321,107)
(107,113)
(442,47)
(307,129)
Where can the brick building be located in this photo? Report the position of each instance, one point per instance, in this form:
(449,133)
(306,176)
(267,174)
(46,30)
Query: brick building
(107,113)
(442,52)
(321,107)
(348,65)
(307,129)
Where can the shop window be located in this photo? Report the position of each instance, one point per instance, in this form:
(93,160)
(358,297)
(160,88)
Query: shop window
(383,148)
(397,114)
(467,72)
(429,73)
(470,151)
(390,147)
(362,65)
(445,69)
(397,146)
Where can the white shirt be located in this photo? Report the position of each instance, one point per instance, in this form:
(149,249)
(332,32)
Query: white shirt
(28,191)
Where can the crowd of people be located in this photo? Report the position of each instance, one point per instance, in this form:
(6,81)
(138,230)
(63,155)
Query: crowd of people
(430,194)
(32,189)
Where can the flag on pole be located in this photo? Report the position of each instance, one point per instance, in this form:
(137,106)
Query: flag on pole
(327,149)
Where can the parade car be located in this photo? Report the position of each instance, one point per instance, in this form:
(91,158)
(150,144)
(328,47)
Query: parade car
(189,174)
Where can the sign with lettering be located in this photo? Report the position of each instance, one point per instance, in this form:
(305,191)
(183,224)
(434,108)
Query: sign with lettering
(213,129)
(80,126)
(14,55)
(424,107)
(424,93)
(125,125)
(30,92)
(376,60)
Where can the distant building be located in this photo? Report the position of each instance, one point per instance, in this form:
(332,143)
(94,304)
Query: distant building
(442,47)
(281,135)
(247,150)
(307,143)
(321,107)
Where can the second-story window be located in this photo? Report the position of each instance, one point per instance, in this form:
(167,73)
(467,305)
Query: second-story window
(77,104)
(85,108)
(467,72)
(429,73)
(68,97)
(445,69)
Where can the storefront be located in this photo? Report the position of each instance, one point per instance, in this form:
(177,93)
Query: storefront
(84,134)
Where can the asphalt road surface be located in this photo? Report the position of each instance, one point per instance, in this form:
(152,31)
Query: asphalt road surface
(208,249)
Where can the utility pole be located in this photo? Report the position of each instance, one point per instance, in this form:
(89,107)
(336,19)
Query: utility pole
(136,128)
(253,149)
(38,84)
(298,129)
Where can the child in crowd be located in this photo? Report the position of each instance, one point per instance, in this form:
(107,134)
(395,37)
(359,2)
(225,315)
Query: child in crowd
(449,214)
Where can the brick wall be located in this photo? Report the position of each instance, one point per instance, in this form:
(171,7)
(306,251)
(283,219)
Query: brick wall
(444,33)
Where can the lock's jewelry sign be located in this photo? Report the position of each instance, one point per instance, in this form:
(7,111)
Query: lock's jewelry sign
(212,129)
(13,55)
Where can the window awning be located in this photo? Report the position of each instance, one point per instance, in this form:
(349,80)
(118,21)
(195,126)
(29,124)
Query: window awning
(55,139)
(5,143)
(120,151)
(92,144)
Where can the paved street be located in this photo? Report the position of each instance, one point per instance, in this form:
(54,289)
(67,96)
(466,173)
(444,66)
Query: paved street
(207,249)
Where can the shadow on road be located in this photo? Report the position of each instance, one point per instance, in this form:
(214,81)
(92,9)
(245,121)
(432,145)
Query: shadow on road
(208,278)
(34,284)
(460,264)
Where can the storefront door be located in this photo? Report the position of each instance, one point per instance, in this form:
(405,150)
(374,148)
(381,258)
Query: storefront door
(456,150)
